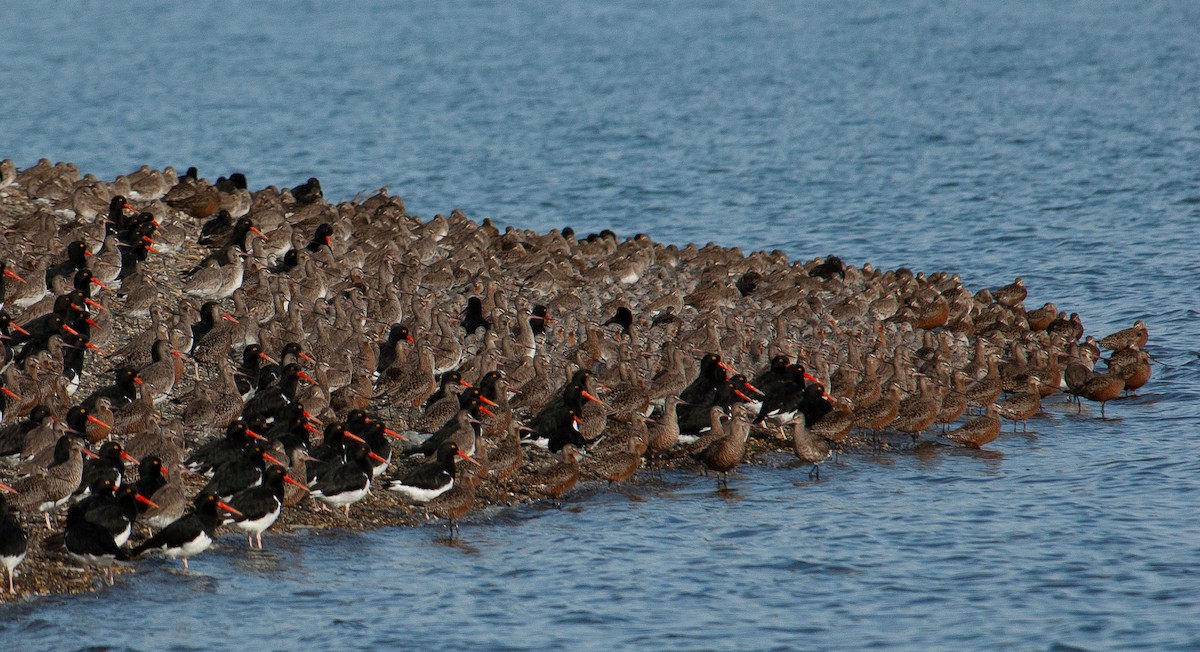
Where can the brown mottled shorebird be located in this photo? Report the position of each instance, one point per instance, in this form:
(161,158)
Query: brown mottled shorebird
(458,501)
(1021,405)
(536,392)
(214,345)
(934,312)
(228,403)
(214,282)
(298,459)
(148,184)
(918,412)
(1135,335)
(879,414)
(194,197)
(408,385)
(725,454)
(593,419)
(1011,294)
(1040,319)
(671,379)
(1068,328)
(158,377)
(436,414)
(978,431)
(664,432)
(460,429)
(159,440)
(557,479)
(1100,387)
(836,425)
(809,447)
(618,466)
(986,390)
(170,504)
(100,427)
(507,456)
(868,389)
(954,403)
(1132,365)
(51,488)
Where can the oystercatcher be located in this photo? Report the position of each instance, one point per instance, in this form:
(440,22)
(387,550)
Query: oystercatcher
(191,534)
(350,482)
(431,479)
(13,540)
(260,506)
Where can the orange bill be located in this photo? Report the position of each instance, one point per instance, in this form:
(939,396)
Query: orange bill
(225,506)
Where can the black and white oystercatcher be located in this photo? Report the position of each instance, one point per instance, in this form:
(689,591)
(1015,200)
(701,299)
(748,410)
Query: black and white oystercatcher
(260,506)
(347,483)
(431,479)
(13,540)
(192,534)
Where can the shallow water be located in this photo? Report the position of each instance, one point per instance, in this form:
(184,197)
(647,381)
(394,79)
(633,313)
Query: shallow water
(1056,142)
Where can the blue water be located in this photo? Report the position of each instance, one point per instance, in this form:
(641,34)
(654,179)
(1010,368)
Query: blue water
(1054,141)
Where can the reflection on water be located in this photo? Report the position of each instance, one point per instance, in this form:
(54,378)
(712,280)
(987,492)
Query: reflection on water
(264,563)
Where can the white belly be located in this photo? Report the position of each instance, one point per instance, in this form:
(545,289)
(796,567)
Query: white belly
(344,498)
(419,495)
(257,526)
(191,548)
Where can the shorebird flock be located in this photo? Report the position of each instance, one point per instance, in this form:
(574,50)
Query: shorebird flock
(217,355)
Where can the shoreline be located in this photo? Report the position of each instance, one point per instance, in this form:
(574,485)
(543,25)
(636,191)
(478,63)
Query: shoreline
(717,299)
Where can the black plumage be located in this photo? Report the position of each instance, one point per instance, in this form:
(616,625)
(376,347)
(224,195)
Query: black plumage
(89,543)
(14,541)
(109,465)
(219,451)
(241,473)
(190,534)
(473,319)
(622,318)
(77,255)
(120,393)
(538,319)
(308,192)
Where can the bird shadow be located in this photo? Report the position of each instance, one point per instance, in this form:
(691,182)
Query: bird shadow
(195,581)
(265,563)
(450,539)
(728,495)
